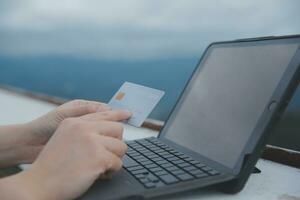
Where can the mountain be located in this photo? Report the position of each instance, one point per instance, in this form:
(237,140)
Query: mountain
(97,80)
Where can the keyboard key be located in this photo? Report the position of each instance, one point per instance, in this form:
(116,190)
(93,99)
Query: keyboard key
(172,158)
(163,146)
(189,159)
(153,156)
(135,168)
(183,156)
(140,149)
(152,178)
(151,166)
(189,168)
(149,185)
(133,154)
(144,142)
(201,175)
(160,173)
(148,162)
(155,169)
(159,184)
(167,155)
(178,154)
(194,162)
(177,172)
(134,145)
(195,172)
(155,148)
(200,165)
(185,177)
(139,157)
(160,162)
(184,165)
(206,168)
(173,168)
(176,162)
(158,159)
(168,149)
(129,162)
(140,176)
(169,179)
(140,171)
(144,180)
(147,154)
(213,172)
(167,165)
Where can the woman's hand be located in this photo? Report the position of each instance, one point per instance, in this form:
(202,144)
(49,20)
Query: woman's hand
(43,127)
(81,150)
(22,143)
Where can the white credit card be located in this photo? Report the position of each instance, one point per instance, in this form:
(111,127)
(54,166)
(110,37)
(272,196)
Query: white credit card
(138,99)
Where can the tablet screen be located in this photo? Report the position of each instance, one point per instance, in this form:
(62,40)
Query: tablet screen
(226,97)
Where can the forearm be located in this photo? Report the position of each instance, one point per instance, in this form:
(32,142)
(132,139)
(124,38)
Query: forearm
(22,186)
(8,187)
(16,146)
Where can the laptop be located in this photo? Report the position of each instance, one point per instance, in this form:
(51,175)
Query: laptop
(219,126)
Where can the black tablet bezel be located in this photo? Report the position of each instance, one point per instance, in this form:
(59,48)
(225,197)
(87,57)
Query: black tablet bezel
(281,96)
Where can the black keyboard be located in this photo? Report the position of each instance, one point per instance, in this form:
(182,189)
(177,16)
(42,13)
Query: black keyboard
(155,164)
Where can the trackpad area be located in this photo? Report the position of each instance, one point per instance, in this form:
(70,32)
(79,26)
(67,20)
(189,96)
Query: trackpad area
(120,186)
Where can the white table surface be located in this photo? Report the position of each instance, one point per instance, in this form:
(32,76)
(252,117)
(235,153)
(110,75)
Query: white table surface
(276,181)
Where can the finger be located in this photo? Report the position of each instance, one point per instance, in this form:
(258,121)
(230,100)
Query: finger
(107,175)
(99,106)
(112,164)
(105,128)
(111,129)
(83,108)
(81,102)
(113,145)
(111,115)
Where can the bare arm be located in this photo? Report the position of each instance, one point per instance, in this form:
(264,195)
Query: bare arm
(16,145)
(90,143)
(22,143)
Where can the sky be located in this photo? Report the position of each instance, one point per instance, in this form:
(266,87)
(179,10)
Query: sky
(137,29)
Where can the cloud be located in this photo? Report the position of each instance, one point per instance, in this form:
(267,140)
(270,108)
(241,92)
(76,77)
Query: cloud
(136,29)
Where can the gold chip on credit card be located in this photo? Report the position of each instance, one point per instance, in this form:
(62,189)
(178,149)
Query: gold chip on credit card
(120,96)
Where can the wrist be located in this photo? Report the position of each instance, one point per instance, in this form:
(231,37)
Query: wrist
(16,145)
(28,145)
(42,128)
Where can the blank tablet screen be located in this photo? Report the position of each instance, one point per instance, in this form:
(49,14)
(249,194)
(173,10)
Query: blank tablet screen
(227,95)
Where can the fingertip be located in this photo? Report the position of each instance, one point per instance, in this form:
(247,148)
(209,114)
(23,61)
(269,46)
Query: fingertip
(127,113)
(121,114)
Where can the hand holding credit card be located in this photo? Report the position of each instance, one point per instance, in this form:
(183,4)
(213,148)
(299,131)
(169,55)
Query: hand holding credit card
(138,99)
